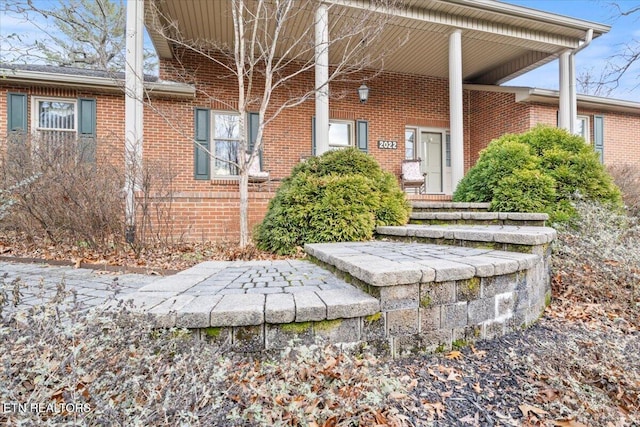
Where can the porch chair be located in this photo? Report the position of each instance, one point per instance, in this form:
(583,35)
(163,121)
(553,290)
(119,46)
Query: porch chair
(412,177)
(256,175)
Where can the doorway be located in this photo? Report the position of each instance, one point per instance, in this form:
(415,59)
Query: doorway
(430,151)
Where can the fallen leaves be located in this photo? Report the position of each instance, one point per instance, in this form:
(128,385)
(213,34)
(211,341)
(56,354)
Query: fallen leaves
(453,355)
(568,423)
(162,256)
(529,409)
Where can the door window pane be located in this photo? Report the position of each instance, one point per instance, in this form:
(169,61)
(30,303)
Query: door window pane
(448,151)
(409,144)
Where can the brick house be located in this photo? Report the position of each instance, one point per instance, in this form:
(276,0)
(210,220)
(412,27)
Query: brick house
(437,99)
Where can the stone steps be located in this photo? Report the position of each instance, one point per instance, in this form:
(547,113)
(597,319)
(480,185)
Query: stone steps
(433,295)
(524,239)
(440,213)
(423,206)
(479,218)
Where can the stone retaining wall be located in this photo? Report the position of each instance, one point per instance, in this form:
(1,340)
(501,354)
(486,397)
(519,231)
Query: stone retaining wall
(431,305)
(398,297)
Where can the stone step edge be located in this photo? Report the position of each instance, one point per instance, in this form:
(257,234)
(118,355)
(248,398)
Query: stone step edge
(171,309)
(416,204)
(427,271)
(514,235)
(480,216)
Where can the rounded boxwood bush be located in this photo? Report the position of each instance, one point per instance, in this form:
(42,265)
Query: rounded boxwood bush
(339,196)
(538,171)
(497,161)
(524,190)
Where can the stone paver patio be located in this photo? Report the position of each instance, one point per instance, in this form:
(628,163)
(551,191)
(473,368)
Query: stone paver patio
(245,293)
(39,283)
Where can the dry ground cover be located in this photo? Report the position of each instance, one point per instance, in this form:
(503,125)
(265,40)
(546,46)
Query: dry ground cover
(579,365)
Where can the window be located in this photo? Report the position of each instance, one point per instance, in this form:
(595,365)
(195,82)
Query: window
(64,128)
(410,144)
(582,127)
(55,123)
(226,140)
(343,133)
(217,136)
(340,134)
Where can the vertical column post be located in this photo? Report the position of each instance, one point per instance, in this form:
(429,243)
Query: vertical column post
(564,112)
(322,77)
(133,107)
(456,123)
(573,97)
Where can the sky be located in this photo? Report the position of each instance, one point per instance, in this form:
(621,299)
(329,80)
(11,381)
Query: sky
(597,54)
(594,57)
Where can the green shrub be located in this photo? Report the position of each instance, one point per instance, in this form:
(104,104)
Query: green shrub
(340,196)
(525,190)
(497,161)
(538,171)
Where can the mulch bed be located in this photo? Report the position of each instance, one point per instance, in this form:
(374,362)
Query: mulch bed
(556,373)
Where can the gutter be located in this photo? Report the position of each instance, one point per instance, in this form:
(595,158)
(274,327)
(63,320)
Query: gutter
(172,89)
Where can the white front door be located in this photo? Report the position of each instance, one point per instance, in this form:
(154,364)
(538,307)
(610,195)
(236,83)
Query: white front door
(430,151)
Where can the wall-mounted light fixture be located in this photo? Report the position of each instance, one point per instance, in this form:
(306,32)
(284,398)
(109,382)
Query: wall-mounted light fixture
(363,93)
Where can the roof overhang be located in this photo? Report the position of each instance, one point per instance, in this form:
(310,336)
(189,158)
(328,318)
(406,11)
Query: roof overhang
(107,84)
(552,97)
(500,41)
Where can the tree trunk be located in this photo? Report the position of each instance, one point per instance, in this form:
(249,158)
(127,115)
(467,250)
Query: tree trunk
(244,207)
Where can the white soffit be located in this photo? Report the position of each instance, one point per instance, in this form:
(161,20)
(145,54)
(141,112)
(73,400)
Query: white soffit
(499,41)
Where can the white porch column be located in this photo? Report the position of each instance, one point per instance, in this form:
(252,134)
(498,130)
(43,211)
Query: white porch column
(133,108)
(573,96)
(456,123)
(564,112)
(322,77)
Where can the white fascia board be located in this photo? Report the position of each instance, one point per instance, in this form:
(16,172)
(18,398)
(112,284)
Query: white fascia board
(92,82)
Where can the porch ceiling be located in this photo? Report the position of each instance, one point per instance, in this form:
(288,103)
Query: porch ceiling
(499,41)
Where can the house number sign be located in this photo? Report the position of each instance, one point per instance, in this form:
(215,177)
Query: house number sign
(388,145)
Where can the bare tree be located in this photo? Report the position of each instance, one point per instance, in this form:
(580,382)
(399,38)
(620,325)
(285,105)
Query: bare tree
(591,84)
(78,33)
(274,44)
(629,53)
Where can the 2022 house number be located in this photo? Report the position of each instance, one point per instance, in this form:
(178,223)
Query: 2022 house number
(388,145)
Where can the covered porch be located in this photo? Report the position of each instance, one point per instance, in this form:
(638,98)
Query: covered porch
(461,42)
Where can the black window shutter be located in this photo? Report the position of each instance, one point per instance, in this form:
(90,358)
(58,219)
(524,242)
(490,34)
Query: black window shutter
(17,112)
(202,158)
(87,130)
(362,135)
(598,137)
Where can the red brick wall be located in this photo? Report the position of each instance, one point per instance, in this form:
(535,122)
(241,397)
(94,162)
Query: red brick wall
(395,101)
(208,209)
(491,115)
